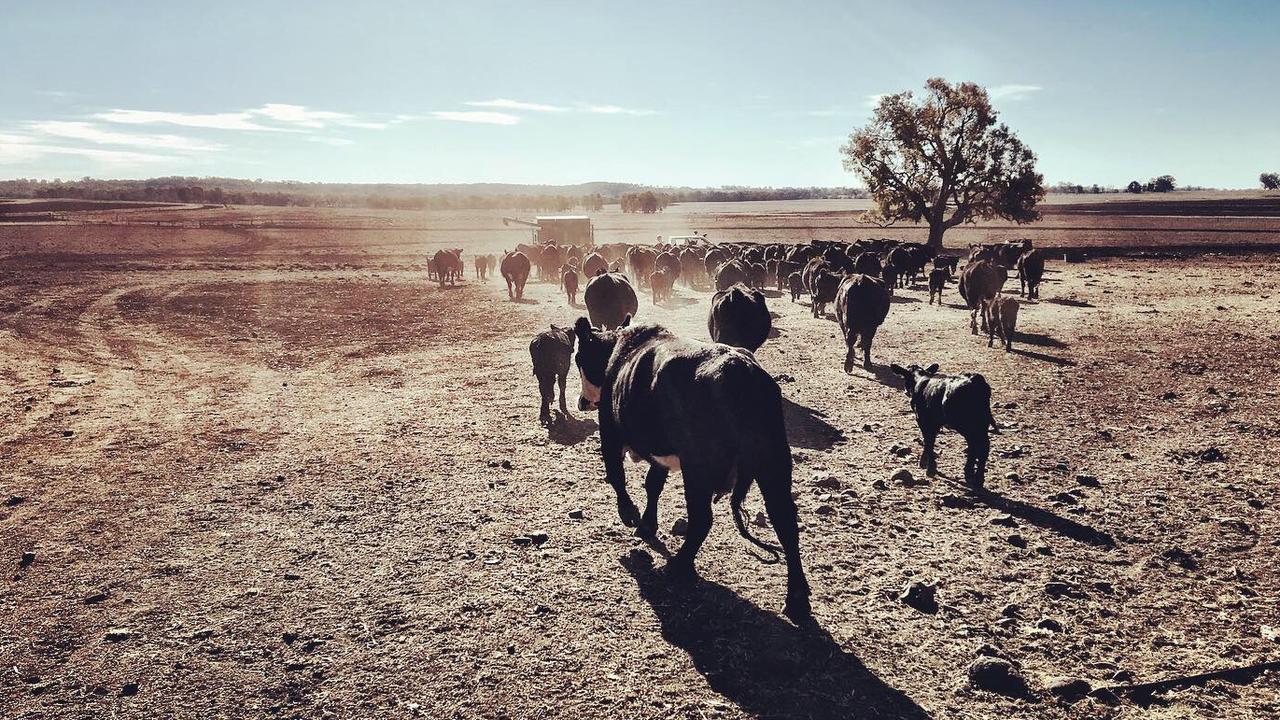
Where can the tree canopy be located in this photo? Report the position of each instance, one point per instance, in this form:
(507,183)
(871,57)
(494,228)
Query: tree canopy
(1270,180)
(944,160)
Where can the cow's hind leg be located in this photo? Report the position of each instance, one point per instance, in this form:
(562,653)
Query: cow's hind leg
(653,484)
(867,337)
(775,487)
(977,448)
(547,391)
(564,410)
(697,497)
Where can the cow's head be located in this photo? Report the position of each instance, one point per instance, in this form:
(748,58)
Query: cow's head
(912,374)
(595,346)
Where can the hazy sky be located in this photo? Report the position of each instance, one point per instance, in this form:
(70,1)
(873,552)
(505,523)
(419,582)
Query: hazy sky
(696,93)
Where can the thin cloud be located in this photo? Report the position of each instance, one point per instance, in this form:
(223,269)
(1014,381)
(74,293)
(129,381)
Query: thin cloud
(334,141)
(212,121)
(873,101)
(22,149)
(507,104)
(90,132)
(477,116)
(1012,92)
(615,110)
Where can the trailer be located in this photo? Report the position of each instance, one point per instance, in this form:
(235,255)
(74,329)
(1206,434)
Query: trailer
(559,229)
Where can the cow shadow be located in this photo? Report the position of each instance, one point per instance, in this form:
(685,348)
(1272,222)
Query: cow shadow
(676,301)
(524,301)
(774,333)
(1039,517)
(807,428)
(899,298)
(1054,359)
(568,430)
(1069,302)
(760,662)
(1038,340)
(880,373)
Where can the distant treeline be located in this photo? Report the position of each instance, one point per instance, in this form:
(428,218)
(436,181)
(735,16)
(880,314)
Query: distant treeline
(588,197)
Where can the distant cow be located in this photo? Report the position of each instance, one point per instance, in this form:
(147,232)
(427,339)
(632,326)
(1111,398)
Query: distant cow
(640,260)
(706,410)
(795,283)
(889,274)
(448,266)
(670,262)
(938,278)
(862,304)
(739,317)
(610,298)
(482,267)
(569,281)
(757,275)
(660,284)
(822,286)
(515,270)
(593,265)
(551,352)
(730,274)
(1030,273)
(962,403)
(1002,320)
(979,282)
(867,263)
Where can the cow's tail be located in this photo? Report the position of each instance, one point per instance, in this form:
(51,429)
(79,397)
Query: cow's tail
(745,479)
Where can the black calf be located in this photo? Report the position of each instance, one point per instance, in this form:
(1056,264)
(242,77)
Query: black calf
(960,402)
(551,351)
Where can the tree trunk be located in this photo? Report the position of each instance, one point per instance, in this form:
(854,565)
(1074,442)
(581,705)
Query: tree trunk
(935,234)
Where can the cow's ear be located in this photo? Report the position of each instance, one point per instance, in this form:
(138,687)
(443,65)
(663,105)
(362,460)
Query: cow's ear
(553,327)
(899,370)
(626,321)
(931,369)
(582,328)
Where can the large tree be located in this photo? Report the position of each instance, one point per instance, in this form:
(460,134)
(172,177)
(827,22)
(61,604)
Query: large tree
(943,160)
(1270,180)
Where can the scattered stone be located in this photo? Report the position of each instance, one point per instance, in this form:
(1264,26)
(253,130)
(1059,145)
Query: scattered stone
(1063,498)
(539,538)
(202,634)
(14,501)
(1068,689)
(68,433)
(1016,540)
(997,675)
(119,634)
(1105,696)
(1013,477)
(902,475)
(1061,467)
(1012,610)
(1049,624)
(576,514)
(27,559)
(1256,504)
(1180,557)
(824,510)
(1058,589)
(880,485)
(1122,676)
(955,501)
(292,576)
(1212,454)
(129,690)
(1043,549)
(95,598)
(829,483)
(1126,455)
(289,637)
(920,596)
(760,520)
(1088,480)
(505,464)
(1004,521)
(783,378)
(988,650)
(680,527)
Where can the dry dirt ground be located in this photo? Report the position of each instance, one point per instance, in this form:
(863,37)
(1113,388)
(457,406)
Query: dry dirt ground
(281,474)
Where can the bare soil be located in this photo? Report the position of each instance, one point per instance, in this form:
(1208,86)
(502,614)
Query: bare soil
(274,473)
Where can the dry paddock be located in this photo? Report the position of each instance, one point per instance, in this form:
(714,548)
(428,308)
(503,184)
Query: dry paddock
(270,477)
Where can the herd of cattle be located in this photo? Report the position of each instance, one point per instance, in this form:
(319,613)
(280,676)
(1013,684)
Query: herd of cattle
(709,410)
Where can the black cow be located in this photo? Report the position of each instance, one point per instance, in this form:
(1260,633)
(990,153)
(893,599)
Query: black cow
(938,278)
(867,263)
(960,402)
(515,270)
(707,410)
(610,298)
(739,317)
(795,283)
(448,266)
(551,351)
(569,281)
(730,274)
(593,265)
(822,284)
(862,304)
(1030,273)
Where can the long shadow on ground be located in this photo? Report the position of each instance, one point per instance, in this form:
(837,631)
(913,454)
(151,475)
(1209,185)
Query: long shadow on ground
(1056,360)
(807,428)
(1043,518)
(1038,339)
(568,430)
(760,662)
